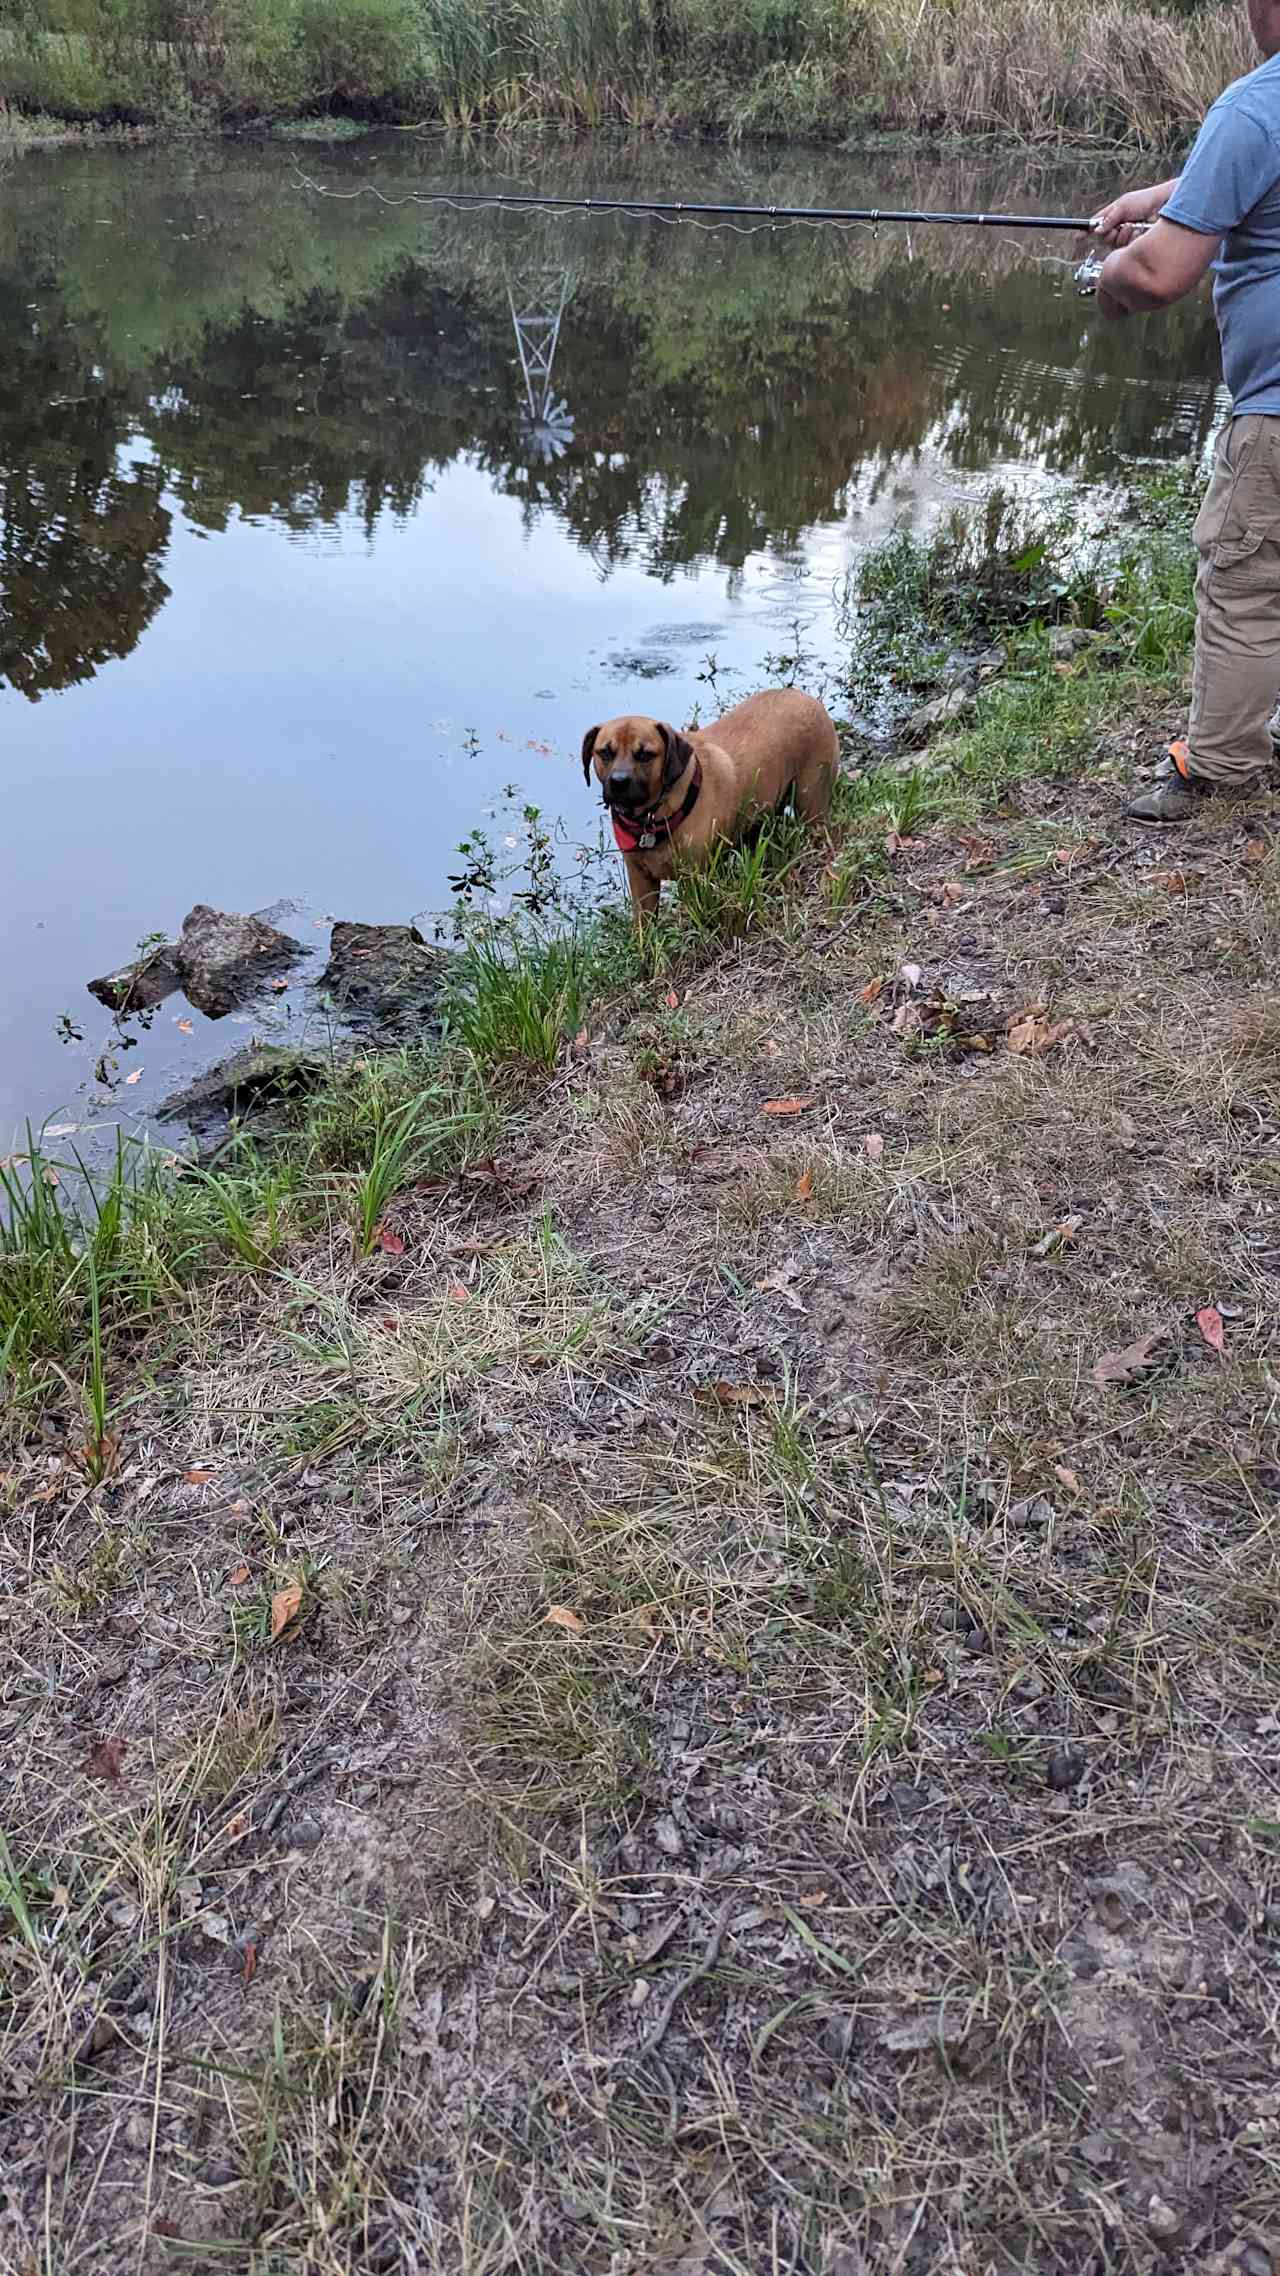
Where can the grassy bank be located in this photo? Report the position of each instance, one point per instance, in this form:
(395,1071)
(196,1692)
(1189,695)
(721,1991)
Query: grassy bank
(820,68)
(594,1673)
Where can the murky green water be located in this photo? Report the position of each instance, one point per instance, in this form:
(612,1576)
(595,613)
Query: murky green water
(297,570)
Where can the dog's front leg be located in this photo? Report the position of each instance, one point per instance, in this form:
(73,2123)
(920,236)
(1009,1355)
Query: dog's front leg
(646,892)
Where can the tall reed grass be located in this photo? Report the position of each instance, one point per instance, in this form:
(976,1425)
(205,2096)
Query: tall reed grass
(1078,70)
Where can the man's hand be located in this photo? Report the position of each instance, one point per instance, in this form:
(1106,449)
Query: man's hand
(1119,222)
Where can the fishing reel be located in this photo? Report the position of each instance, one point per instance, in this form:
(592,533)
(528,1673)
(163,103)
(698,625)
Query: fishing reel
(1088,273)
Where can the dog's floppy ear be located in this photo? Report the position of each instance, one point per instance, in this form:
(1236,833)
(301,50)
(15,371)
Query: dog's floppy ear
(679,752)
(588,747)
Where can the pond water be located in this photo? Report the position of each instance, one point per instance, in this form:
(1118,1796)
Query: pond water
(295,575)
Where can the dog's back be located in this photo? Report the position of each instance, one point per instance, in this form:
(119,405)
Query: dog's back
(780,718)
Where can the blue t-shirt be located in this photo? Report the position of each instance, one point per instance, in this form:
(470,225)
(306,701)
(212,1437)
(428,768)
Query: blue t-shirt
(1230,188)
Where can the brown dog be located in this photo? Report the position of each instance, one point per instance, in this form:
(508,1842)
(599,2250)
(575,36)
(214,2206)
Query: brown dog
(673,797)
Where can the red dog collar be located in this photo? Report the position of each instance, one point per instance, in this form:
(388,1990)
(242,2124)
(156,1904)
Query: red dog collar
(647,830)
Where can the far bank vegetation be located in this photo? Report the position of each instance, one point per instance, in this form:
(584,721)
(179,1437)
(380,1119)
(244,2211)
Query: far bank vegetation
(1086,71)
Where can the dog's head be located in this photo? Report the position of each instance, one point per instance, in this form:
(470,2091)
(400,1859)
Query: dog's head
(636,761)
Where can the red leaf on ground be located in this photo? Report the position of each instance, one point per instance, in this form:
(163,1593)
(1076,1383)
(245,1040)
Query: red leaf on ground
(1209,1322)
(286,1604)
(743,1395)
(871,992)
(786,1105)
(388,1241)
(671,1000)
(804,1186)
(250,1961)
(238,1578)
(106,1759)
(198,1477)
(459,1293)
(560,1616)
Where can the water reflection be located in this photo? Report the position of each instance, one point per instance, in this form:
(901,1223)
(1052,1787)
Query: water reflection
(700,397)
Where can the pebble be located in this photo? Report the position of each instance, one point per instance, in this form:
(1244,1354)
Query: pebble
(640,1991)
(1065,1768)
(1162,2220)
(667,1835)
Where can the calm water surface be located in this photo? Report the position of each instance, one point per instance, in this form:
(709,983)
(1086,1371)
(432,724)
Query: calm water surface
(295,576)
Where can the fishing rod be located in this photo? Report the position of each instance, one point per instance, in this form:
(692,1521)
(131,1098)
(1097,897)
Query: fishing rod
(685,209)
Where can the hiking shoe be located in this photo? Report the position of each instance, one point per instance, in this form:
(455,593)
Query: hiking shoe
(1175,792)
(1173,797)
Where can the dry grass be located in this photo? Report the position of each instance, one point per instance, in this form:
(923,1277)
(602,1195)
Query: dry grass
(875,1864)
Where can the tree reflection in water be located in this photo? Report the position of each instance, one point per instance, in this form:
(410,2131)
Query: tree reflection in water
(199,335)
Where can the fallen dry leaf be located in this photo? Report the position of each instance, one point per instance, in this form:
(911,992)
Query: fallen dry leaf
(135,1077)
(804,1186)
(1209,1322)
(907,1019)
(1033,1032)
(873,1145)
(390,1243)
(869,994)
(743,1394)
(560,1616)
(1067,1478)
(286,1604)
(106,1759)
(459,1293)
(186,1027)
(786,1105)
(1131,1364)
(579,1046)
(239,1507)
(952,893)
(911,973)
(250,1961)
(811,1898)
(671,1000)
(198,1477)
(1256,849)
(237,1827)
(238,1578)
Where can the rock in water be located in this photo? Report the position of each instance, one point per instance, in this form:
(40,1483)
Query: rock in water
(140,986)
(384,979)
(222,958)
(246,1085)
(940,713)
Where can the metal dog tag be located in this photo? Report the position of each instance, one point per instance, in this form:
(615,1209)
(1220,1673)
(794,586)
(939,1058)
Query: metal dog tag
(648,840)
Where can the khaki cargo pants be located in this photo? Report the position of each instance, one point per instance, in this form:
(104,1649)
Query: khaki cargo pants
(1237,666)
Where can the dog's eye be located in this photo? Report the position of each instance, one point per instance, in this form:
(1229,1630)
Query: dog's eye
(643,751)
(607,753)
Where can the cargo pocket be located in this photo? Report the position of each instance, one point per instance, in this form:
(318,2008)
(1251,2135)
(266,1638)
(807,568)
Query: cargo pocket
(1232,552)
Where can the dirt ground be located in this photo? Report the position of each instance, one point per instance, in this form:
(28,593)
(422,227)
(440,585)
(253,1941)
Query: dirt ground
(770,1760)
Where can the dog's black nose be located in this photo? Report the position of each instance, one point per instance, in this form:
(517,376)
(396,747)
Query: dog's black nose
(622,786)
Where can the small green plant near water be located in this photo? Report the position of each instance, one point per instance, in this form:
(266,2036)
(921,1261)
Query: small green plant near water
(401,1147)
(519,999)
(731,893)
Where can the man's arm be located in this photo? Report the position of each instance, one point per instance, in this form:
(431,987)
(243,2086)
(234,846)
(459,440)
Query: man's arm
(1163,265)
